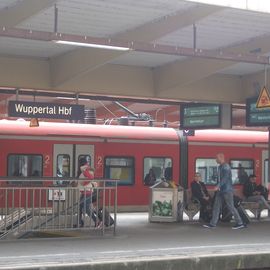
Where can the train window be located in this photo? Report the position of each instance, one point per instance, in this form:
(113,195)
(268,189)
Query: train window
(63,165)
(24,166)
(207,167)
(155,169)
(121,168)
(241,169)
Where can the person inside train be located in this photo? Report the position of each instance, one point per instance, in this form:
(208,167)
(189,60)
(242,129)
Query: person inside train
(17,173)
(224,193)
(87,194)
(242,174)
(150,178)
(200,193)
(256,193)
(168,172)
(35,173)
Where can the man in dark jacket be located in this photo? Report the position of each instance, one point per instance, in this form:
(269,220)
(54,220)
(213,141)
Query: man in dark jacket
(254,193)
(200,193)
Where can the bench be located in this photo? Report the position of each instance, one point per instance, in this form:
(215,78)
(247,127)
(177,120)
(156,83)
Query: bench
(191,207)
(253,207)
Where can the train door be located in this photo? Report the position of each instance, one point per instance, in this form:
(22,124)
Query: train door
(84,151)
(265,168)
(67,156)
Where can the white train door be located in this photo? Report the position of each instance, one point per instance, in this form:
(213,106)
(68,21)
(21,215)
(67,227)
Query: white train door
(66,158)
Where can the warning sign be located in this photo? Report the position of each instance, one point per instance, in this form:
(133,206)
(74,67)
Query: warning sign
(264,99)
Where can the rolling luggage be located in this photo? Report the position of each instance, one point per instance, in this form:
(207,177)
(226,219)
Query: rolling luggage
(108,220)
(243,214)
(226,215)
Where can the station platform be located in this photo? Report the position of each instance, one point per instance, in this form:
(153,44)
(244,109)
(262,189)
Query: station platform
(143,245)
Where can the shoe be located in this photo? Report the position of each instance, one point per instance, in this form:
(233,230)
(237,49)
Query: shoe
(238,226)
(209,226)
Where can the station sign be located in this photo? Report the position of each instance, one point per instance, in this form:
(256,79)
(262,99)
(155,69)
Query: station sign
(45,110)
(256,116)
(264,99)
(200,116)
(57,195)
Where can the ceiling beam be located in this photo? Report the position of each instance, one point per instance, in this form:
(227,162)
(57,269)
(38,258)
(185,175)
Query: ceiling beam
(216,88)
(157,29)
(235,54)
(74,64)
(144,33)
(181,73)
(115,82)
(78,62)
(14,15)
(21,72)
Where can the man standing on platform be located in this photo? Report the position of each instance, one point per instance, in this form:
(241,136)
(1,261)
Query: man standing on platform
(224,192)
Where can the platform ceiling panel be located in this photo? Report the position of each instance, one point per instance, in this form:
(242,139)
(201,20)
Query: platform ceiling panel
(8,3)
(103,18)
(31,48)
(145,59)
(242,69)
(222,29)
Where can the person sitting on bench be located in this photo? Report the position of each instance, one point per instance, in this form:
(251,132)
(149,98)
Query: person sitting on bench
(253,193)
(200,193)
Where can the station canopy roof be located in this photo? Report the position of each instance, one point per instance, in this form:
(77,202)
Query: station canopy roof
(162,36)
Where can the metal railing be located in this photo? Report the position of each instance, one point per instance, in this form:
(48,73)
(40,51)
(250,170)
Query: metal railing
(40,204)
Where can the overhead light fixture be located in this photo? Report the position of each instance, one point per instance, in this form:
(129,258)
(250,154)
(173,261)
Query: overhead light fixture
(92,45)
(34,122)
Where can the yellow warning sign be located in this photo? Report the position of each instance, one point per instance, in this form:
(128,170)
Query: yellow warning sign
(264,99)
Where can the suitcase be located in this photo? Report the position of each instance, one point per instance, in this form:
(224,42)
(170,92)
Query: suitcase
(108,220)
(226,215)
(243,214)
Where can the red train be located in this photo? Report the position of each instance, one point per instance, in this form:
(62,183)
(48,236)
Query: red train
(128,153)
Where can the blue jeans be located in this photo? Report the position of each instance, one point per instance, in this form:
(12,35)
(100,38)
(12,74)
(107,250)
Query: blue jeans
(228,199)
(85,204)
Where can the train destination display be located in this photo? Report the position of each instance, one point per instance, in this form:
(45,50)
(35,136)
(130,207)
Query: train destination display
(256,116)
(199,116)
(45,110)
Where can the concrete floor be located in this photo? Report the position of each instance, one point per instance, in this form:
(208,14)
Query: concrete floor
(136,239)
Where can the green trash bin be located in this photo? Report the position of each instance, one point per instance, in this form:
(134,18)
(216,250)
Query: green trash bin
(165,203)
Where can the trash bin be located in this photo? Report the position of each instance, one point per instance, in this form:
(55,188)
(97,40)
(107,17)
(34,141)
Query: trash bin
(165,203)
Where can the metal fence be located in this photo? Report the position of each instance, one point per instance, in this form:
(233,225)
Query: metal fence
(39,204)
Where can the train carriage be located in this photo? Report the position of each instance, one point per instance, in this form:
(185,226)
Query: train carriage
(128,153)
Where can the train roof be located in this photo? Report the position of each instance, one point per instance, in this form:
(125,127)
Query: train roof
(233,136)
(22,128)
(9,127)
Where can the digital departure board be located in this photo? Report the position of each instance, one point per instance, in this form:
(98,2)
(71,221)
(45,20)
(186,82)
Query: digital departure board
(200,116)
(256,116)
